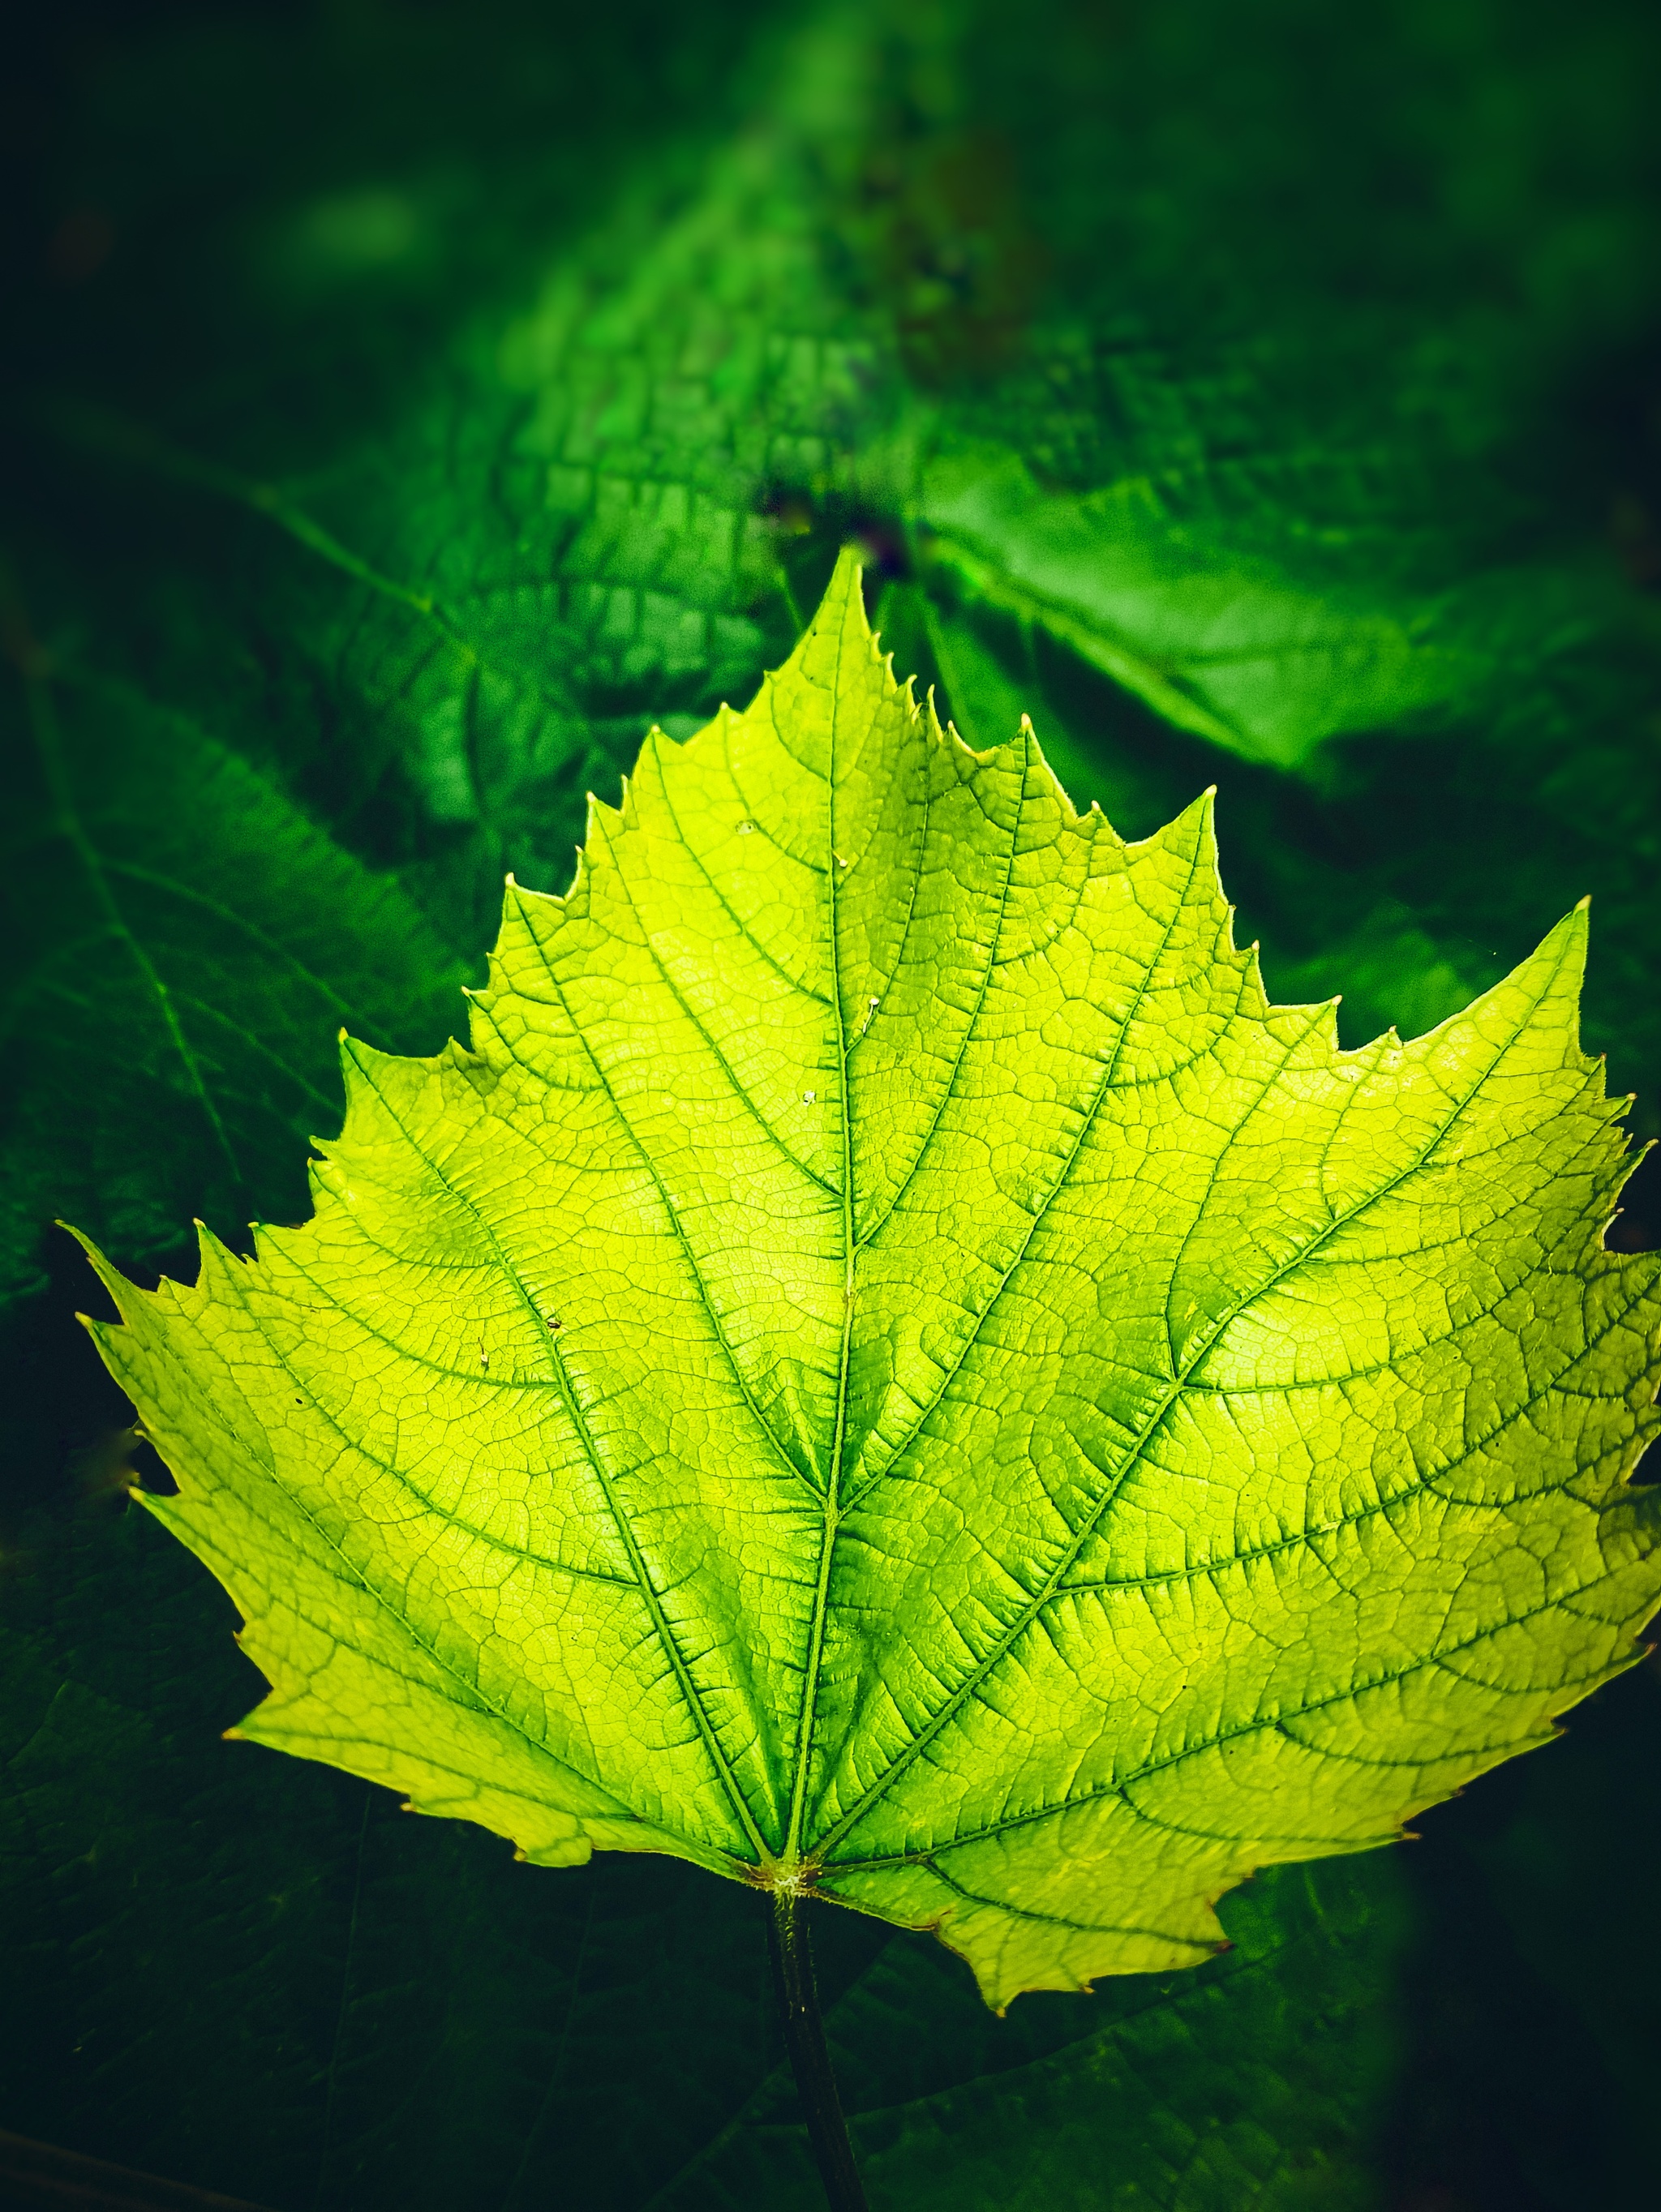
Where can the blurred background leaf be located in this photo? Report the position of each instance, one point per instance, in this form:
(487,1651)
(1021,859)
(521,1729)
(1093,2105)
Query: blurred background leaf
(406,405)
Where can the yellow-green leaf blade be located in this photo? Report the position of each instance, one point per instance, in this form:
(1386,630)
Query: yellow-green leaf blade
(889,1363)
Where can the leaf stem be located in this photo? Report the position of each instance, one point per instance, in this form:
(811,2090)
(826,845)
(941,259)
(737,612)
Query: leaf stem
(810,2059)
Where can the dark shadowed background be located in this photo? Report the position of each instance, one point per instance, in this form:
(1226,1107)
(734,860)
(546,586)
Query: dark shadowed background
(403,406)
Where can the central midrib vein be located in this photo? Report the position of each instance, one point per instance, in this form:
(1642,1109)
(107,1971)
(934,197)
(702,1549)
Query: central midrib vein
(833,873)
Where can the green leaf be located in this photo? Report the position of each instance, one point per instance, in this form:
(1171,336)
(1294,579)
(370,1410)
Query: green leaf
(1207,619)
(890,1367)
(183,939)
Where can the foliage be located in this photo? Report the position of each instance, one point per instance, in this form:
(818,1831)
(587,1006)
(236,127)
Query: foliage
(405,408)
(1095,1438)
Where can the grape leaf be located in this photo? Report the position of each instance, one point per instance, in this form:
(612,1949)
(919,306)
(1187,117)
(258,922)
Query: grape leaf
(1207,619)
(181,938)
(889,1367)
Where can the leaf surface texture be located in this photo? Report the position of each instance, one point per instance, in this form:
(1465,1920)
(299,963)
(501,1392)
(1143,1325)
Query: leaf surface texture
(891,1363)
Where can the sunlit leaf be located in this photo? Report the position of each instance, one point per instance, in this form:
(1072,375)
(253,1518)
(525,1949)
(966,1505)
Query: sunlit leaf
(890,1367)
